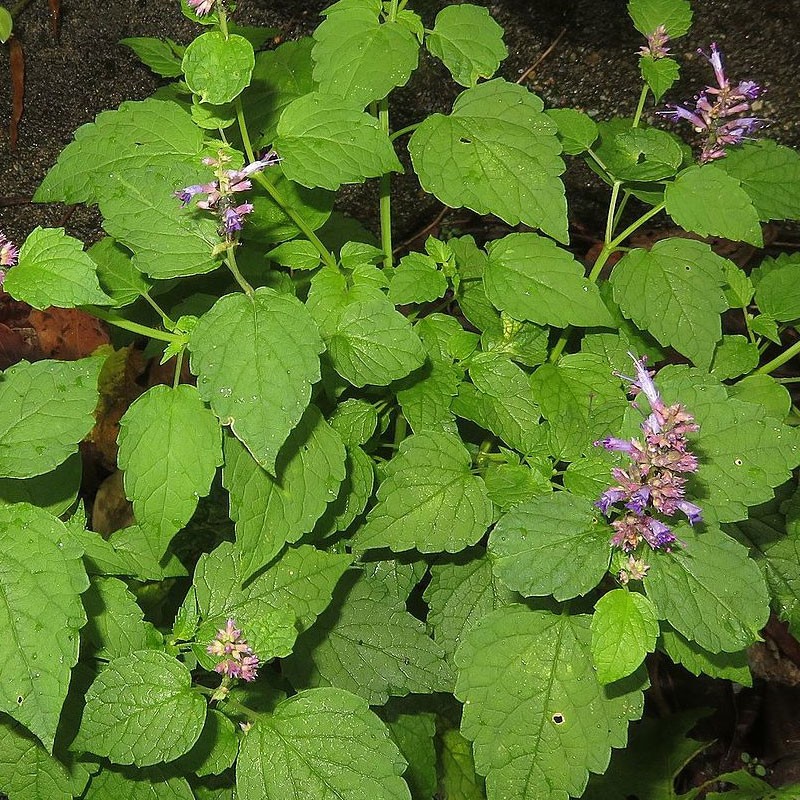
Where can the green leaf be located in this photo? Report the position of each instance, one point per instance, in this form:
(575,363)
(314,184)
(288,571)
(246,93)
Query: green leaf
(777,293)
(576,131)
(770,174)
(730,666)
(739,289)
(156,715)
(326,142)
(119,279)
(413,732)
(498,129)
(674,292)
(458,777)
(554,544)
(508,485)
(764,325)
(354,493)
(54,491)
(555,290)
(6,24)
(320,743)
(708,201)
(538,718)
(170,446)
(53,270)
(765,391)
(639,154)
(743,454)
(154,783)
(41,580)
(256,358)
(29,772)
(270,511)
(461,592)
(167,241)
(373,343)
(45,411)
(428,500)
(355,421)
(115,625)
(500,399)
(279,77)
(779,562)
(660,74)
(749,787)
(734,356)
(579,402)
(685,588)
(163,56)
(218,66)
(299,254)
(288,595)
(416,280)
(215,750)
(366,642)
(468,42)
(656,752)
(624,631)
(674,15)
(150,133)
(360,59)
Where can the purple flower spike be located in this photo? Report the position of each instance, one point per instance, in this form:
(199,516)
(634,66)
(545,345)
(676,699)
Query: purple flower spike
(233,218)
(658,535)
(656,44)
(8,252)
(185,195)
(693,513)
(239,661)
(202,7)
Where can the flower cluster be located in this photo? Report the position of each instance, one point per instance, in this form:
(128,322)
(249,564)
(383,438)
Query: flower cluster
(720,111)
(220,192)
(656,46)
(8,255)
(655,481)
(239,661)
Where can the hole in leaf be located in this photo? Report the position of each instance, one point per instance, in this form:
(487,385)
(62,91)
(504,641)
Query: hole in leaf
(558,719)
(463,140)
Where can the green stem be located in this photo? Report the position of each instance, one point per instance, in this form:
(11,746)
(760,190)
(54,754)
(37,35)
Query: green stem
(386,190)
(779,361)
(248,147)
(787,380)
(404,131)
(230,702)
(223,20)
(178,366)
(168,323)
(392,15)
(128,325)
(400,429)
(597,161)
(230,260)
(612,206)
(640,107)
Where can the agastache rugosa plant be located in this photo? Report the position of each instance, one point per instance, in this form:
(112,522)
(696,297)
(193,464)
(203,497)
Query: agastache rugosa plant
(364,555)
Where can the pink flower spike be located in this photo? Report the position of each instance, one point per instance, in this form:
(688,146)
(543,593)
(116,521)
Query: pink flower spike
(202,7)
(8,253)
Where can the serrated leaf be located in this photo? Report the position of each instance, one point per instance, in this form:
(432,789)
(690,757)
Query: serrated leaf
(29,772)
(458,776)
(162,56)
(217,66)
(354,493)
(674,292)
(256,358)
(778,293)
(577,131)
(764,325)
(54,491)
(216,748)
(579,402)
(373,343)
(355,421)
(321,743)
(53,270)
(155,783)
(157,716)
(708,201)
(779,562)
(770,174)
(554,544)
(468,42)
(534,710)
(416,280)
(734,356)
(660,74)
(508,485)
(496,129)
(718,615)
(639,154)
(115,625)
(271,511)
(289,594)
(764,391)
(119,279)
(674,15)
(461,592)
(45,411)
(624,631)
(298,254)
(150,133)
(730,666)
(326,142)
(41,579)
(532,279)
(366,642)
(428,500)
(170,446)
(360,59)
(413,732)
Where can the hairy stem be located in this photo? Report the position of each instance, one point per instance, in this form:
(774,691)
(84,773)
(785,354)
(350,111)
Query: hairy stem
(230,260)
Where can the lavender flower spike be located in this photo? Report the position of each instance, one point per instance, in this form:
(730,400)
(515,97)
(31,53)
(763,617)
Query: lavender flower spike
(239,661)
(202,7)
(8,252)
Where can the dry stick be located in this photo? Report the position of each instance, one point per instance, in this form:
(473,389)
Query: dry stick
(542,57)
(430,226)
(15,200)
